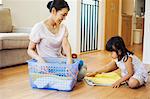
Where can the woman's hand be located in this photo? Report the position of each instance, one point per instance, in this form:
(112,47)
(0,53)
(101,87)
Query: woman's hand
(69,61)
(41,61)
(67,48)
(43,69)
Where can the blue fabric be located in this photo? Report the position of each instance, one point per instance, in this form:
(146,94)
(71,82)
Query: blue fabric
(80,64)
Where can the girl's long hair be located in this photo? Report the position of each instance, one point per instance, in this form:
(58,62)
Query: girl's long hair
(117,44)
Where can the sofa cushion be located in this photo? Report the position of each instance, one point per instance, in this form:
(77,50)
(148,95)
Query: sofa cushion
(5,20)
(13,57)
(14,40)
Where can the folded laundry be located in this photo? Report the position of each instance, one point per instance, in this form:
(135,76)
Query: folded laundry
(104,79)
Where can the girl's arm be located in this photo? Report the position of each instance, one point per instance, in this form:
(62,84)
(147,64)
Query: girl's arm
(109,67)
(32,52)
(129,67)
(67,49)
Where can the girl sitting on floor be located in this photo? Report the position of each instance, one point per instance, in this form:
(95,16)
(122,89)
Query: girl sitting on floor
(132,69)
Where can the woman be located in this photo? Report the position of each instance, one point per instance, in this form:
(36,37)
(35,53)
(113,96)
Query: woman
(49,37)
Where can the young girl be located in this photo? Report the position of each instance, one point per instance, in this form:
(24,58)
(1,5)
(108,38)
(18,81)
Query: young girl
(132,70)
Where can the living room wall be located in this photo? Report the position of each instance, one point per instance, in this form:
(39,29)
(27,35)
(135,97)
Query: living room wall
(146,50)
(25,13)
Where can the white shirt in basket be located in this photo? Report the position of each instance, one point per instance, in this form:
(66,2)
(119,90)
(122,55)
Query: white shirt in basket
(48,44)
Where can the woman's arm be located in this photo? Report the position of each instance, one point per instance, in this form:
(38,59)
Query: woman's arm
(129,67)
(107,68)
(32,52)
(67,49)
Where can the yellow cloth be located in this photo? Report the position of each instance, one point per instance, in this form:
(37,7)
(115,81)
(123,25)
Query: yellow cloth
(104,79)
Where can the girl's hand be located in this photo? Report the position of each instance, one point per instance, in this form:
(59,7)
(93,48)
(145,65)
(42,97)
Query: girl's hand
(91,74)
(116,84)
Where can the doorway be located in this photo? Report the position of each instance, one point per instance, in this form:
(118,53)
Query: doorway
(138,20)
(111,19)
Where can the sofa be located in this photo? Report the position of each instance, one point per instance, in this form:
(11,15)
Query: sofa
(13,45)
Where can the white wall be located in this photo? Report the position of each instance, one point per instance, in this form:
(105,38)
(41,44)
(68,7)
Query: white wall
(146,50)
(101,27)
(1,4)
(25,13)
(73,23)
(0,1)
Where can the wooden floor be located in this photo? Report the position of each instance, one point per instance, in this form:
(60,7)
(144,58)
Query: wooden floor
(14,83)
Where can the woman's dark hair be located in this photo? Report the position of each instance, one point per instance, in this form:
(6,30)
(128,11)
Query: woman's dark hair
(58,5)
(117,44)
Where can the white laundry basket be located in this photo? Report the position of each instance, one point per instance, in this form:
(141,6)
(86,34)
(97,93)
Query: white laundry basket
(59,76)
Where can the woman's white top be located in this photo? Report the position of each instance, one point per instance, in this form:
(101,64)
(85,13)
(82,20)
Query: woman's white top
(47,43)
